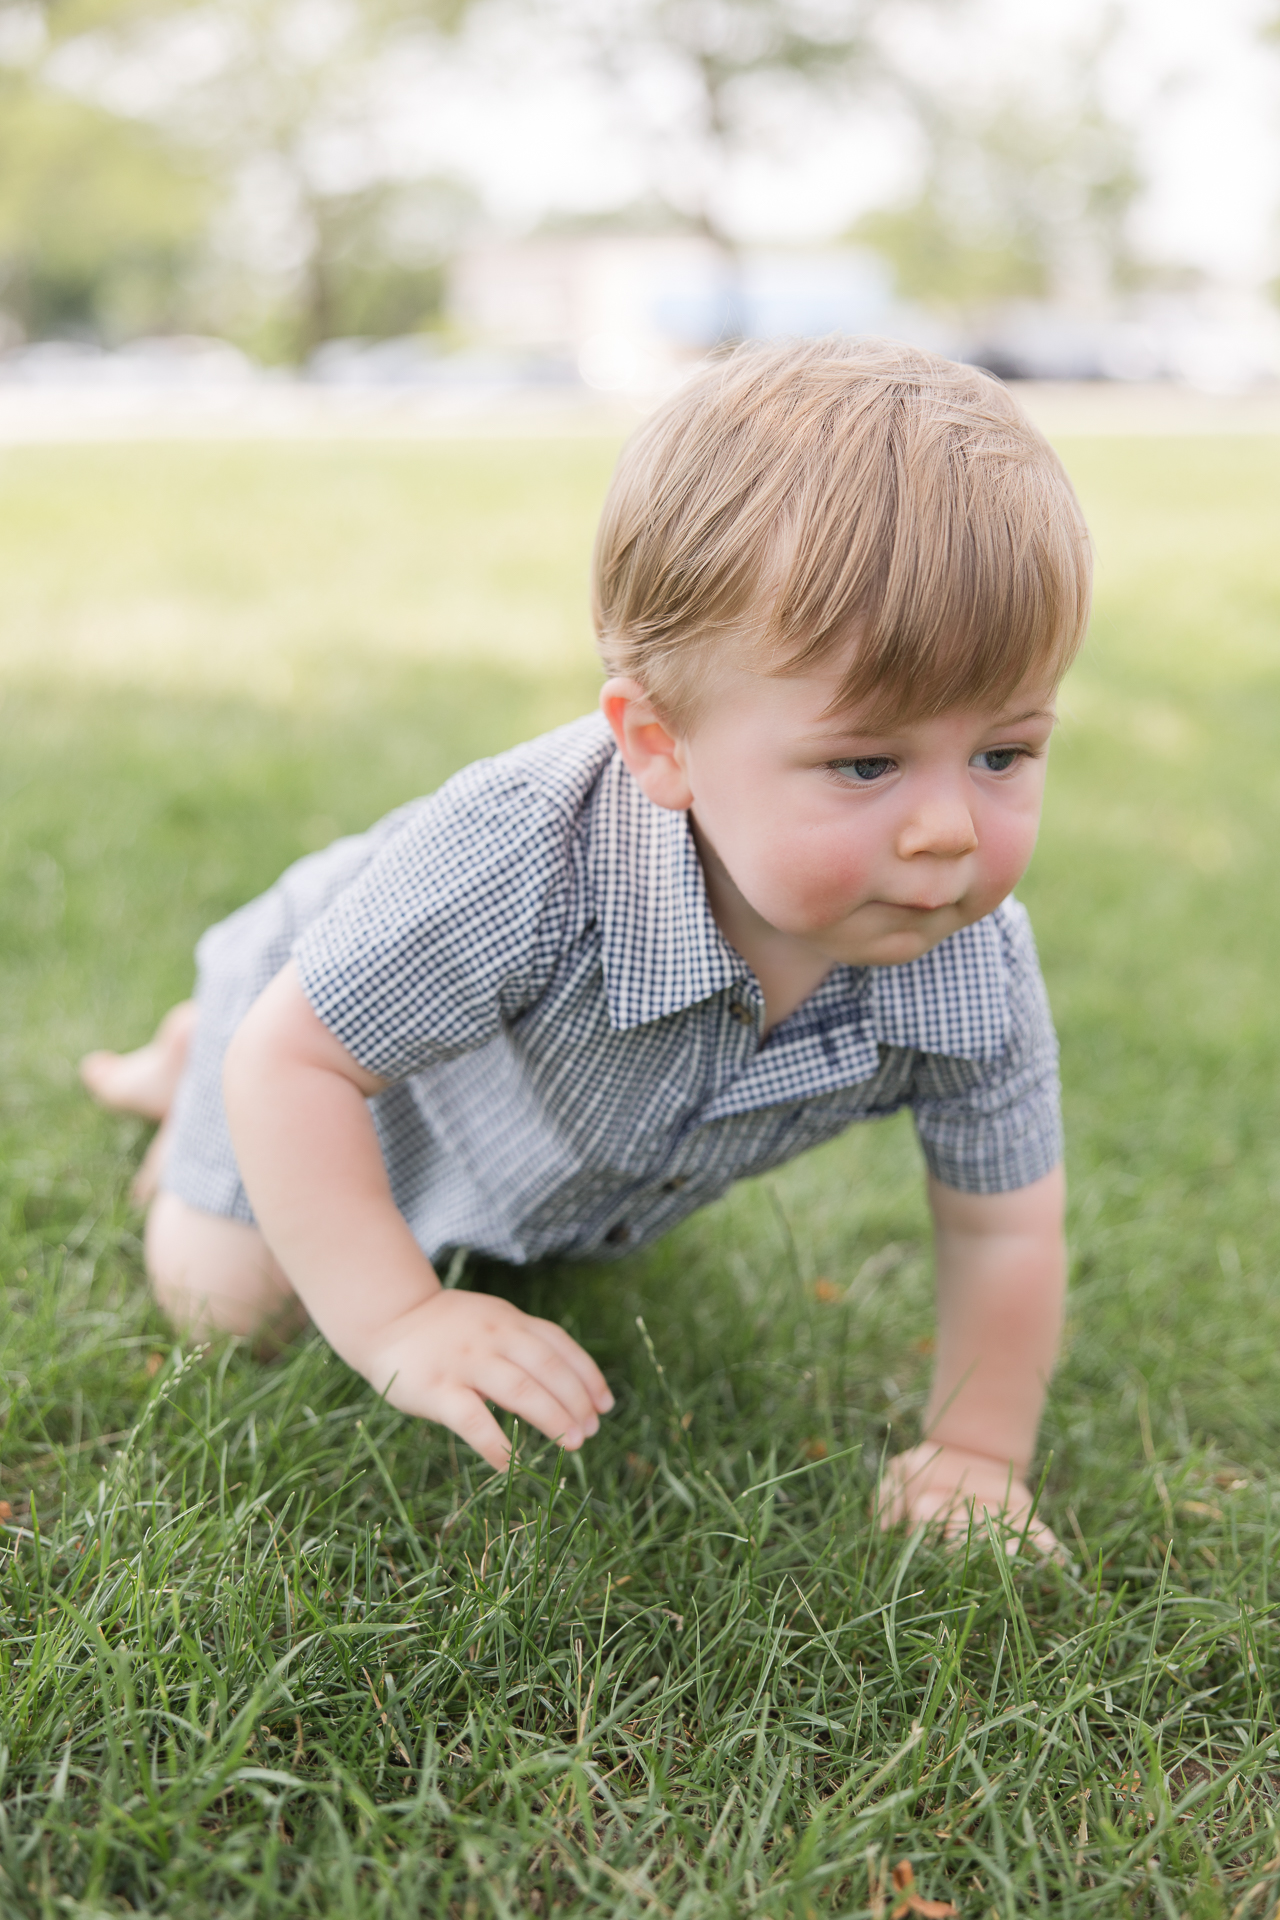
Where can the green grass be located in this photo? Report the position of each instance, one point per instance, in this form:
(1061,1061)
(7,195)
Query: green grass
(268,1649)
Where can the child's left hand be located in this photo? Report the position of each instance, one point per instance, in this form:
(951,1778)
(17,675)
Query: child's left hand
(1001,1273)
(954,1487)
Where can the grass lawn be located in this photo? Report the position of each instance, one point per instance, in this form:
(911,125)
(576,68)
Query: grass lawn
(269,1649)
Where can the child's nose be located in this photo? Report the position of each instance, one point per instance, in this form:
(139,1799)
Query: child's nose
(940,827)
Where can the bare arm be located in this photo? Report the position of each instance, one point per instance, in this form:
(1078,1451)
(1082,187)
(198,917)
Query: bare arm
(312,1167)
(1001,1278)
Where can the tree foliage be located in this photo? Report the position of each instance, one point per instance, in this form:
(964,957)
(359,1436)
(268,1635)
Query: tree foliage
(220,196)
(700,80)
(1022,197)
(223,164)
(289,116)
(102,218)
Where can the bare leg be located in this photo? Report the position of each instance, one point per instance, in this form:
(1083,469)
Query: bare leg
(210,1274)
(214,1275)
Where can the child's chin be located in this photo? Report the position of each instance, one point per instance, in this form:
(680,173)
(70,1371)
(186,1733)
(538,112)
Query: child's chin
(899,948)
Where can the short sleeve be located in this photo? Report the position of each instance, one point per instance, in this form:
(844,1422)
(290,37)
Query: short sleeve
(988,1127)
(449,931)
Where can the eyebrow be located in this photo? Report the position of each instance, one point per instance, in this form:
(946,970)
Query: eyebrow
(848,731)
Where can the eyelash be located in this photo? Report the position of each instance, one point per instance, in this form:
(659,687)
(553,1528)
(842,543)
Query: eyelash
(885,763)
(841,768)
(1019,753)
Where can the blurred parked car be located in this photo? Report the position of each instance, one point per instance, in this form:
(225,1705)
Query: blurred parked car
(191,362)
(417,361)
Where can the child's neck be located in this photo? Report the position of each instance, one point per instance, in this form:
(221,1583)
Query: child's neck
(788,968)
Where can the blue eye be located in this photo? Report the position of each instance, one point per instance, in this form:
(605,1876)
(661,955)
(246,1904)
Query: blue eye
(997,759)
(872,767)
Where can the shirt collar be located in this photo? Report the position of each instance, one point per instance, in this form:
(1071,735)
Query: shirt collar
(953,1000)
(660,946)
(662,951)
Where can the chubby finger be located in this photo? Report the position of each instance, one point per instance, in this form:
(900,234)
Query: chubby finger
(580,1360)
(1016,1525)
(545,1363)
(463,1411)
(1046,1541)
(922,1509)
(508,1384)
(901,1490)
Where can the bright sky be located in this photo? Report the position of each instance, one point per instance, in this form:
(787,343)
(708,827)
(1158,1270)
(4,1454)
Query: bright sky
(1212,134)
(1191,73)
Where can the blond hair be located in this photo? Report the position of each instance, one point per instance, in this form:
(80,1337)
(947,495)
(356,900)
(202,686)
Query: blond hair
(800,494)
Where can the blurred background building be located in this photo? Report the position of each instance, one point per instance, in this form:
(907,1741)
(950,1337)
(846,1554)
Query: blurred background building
(567,196)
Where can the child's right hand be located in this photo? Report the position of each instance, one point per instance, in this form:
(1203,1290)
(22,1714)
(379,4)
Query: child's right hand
(297,1105)
(447,1356)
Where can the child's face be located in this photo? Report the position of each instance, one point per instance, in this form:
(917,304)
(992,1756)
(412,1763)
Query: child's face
(865,844)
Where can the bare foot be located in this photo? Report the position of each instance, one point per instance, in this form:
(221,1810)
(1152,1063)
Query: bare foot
(953,1487)
(145,1184)
(144,1081)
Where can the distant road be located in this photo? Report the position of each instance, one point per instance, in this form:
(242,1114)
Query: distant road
(296,410)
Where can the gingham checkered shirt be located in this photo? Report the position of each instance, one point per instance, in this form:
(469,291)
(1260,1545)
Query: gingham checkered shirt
(574,1050)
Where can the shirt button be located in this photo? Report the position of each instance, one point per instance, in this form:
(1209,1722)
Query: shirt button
(618,1234)
(674,1184)
(743,1015)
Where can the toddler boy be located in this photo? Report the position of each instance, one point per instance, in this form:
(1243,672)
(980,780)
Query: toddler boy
(588,984)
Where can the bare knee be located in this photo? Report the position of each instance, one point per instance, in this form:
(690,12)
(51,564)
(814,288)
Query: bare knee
(215,1275)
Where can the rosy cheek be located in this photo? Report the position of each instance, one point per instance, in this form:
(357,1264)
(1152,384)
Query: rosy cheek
(1007,850)
(819,885)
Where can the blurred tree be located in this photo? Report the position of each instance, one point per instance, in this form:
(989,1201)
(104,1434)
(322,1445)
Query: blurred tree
(709,84)
(377,267)
(289,112)
(101,218)
(277,103)
(1021,198)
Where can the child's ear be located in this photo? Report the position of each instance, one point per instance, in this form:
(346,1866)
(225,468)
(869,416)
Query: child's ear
(653,754)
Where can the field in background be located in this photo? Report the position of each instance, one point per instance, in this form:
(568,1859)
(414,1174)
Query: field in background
(268,1649)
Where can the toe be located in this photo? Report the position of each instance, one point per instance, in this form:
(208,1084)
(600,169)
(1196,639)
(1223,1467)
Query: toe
(97,1072)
